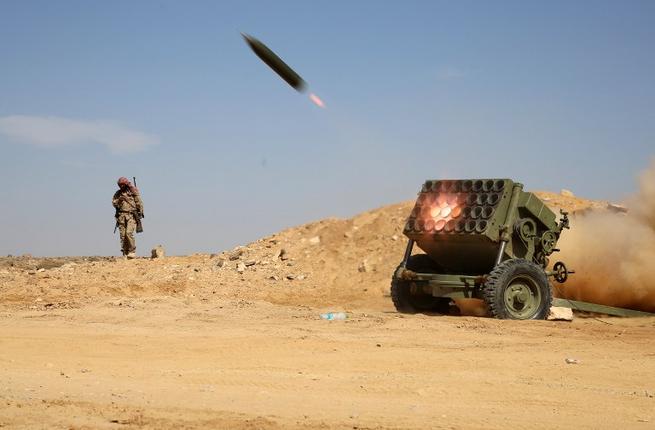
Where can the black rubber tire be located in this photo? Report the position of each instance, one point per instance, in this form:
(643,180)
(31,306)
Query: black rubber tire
(406,302)
(516,278)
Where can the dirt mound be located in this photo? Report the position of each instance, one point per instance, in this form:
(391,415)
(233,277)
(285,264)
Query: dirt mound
(326,263)
(330,263)
(27,262)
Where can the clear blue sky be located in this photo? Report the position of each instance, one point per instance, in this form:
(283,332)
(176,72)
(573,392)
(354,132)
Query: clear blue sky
(554,94)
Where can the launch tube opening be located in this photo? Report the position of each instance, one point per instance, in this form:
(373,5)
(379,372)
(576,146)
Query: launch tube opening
(476,212)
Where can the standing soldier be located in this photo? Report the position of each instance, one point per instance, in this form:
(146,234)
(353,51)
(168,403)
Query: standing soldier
(129,211)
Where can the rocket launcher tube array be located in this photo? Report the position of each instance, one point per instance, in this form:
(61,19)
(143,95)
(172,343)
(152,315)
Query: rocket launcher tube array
(464,225)
(443,201)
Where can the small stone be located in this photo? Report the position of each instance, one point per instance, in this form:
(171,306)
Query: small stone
(566,193)
(249,263)
(236,254)
(617,208)
(41,270)
(241,267)
(274,278)
(572,361)
(284,255)
(560,314)
(347,235)
(394,237)
(220,263)
(300,277)
(158,252)
(315,240)
(291,277)
(364,267)
(31,272)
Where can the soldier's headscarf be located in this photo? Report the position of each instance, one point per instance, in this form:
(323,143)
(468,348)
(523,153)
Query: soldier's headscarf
(124,182)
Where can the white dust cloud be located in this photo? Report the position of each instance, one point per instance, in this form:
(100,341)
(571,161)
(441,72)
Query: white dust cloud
(614,253)
(55,132)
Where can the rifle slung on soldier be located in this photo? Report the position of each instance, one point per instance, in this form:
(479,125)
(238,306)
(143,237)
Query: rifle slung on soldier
(138,214)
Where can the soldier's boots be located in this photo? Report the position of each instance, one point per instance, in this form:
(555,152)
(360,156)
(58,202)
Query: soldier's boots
(131,255)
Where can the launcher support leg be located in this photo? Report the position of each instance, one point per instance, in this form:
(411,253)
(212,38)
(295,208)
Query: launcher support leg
(408,252)
(501,251)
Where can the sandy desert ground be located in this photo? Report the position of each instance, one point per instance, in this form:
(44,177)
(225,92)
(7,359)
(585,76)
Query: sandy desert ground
(234,340)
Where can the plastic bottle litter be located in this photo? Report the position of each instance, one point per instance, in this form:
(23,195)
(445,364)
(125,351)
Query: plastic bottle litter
(334,316)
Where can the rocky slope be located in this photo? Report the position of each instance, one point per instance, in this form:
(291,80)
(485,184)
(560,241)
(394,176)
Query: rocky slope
(344,263)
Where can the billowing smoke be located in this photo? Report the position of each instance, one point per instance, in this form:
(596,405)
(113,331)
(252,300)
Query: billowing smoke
(614,253)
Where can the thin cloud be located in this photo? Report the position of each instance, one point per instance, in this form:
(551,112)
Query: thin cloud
(448,72)
(56,132)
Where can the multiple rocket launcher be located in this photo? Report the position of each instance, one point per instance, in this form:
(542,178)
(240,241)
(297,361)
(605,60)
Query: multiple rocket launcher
(460,223)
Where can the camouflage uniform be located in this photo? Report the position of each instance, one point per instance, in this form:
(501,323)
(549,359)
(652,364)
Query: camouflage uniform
(129,206)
